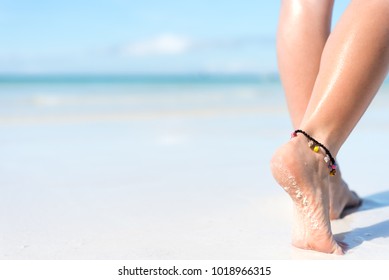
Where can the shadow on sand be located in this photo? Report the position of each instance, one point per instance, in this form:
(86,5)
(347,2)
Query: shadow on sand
(374,201)
(357,236)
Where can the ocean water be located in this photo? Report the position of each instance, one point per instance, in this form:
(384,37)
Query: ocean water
(65,98)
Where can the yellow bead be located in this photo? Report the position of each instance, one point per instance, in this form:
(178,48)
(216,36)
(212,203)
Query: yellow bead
(316,149)
(333,172)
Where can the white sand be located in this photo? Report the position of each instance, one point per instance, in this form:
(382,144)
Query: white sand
(177,184)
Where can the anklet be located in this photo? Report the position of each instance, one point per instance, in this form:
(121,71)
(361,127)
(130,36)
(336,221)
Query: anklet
(315,146)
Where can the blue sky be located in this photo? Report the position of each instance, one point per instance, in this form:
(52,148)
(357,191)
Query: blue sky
(144,36)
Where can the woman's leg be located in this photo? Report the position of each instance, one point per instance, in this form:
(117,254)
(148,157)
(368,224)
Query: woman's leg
(353,66)
(304,27)
(303,30)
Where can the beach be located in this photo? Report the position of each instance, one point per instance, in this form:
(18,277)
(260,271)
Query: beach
(168,170)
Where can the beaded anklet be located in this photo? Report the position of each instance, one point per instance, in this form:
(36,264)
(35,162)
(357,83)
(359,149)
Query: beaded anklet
(315,146)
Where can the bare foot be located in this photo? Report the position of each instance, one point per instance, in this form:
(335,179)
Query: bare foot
(341,197)
(304,175)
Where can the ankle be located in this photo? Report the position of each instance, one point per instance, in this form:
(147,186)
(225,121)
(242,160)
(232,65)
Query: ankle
(325,135)
(318,147)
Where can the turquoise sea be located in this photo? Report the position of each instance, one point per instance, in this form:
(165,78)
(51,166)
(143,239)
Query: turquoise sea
(45,98)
